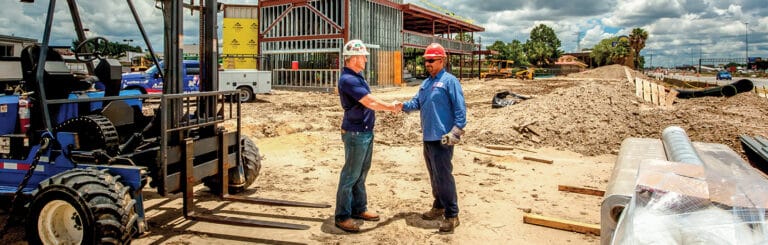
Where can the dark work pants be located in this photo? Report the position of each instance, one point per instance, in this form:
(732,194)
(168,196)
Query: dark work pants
(440,168)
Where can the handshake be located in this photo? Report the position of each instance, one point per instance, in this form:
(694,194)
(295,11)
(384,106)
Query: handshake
(453,137)
(396,106)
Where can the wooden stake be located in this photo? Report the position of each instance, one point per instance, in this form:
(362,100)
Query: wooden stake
(562,224)
(506,148)
(580,190)
(482,152)
(537,160)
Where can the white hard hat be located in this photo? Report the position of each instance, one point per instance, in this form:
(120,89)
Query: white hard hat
(355,47)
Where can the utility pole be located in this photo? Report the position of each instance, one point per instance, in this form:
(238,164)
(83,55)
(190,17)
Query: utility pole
(479,54)
(746,41)
(578,41)
(127,53)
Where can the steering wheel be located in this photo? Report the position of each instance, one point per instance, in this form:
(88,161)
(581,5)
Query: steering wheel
(91,49)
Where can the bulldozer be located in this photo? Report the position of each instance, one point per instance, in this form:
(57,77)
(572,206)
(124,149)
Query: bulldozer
(77,153)
(525,74)
(498,69)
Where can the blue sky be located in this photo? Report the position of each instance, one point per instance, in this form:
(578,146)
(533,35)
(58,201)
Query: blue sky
(680,30)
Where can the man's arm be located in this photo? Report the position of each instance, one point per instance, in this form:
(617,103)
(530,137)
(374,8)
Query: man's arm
(459,106)
(376,104)
(412,104)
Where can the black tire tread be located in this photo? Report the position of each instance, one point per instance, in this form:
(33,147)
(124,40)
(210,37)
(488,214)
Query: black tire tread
(252,166)
(113,217)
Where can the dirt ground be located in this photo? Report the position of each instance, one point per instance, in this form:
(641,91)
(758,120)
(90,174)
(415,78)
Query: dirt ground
(578,122)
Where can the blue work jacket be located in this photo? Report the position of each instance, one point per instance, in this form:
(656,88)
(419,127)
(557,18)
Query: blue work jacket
(441,102)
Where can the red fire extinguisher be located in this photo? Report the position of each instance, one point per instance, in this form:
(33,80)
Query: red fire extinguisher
(23,115)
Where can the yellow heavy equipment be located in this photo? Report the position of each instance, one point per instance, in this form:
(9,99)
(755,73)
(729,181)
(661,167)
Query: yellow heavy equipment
(140,63)
(525,74)
(498,69)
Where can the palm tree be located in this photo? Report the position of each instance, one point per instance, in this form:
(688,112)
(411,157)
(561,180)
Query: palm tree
(637,43)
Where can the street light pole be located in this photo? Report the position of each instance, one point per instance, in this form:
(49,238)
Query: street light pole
(127,54)
(746,41)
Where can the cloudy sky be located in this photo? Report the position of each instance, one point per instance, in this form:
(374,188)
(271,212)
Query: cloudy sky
(679,30)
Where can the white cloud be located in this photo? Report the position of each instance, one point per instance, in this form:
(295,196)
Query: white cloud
(676,27)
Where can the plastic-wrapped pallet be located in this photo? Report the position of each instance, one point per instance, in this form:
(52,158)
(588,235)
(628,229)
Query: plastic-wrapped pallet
(721,201)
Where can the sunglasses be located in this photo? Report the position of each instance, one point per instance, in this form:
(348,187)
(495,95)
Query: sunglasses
(430,61)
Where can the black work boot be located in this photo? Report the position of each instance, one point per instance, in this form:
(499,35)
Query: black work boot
(433,214)
(449,224)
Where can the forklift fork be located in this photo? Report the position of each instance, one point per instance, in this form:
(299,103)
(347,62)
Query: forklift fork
(223,175)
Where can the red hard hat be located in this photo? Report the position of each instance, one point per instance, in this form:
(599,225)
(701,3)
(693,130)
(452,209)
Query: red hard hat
(434,50)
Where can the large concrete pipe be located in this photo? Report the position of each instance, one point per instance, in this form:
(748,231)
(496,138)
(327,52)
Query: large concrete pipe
(678,146)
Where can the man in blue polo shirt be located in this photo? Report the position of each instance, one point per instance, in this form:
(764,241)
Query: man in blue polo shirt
(443,116)
(357,133)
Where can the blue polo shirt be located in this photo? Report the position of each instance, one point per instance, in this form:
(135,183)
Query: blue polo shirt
(352,88)
(442,106)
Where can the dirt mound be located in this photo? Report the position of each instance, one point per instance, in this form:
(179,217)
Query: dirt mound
(593,117)
(588,116)
(604,72)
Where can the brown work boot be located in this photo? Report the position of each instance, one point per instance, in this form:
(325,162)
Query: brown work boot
(348,225)
(433,214)
(367,216)
(449,224)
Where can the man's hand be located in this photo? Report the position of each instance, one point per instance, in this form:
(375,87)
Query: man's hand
(398,106)
(453,137)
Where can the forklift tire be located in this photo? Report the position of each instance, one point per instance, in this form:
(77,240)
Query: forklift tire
(82,206)
(251,166)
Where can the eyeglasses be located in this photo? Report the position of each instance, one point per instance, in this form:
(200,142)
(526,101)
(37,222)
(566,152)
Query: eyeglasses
(430,61)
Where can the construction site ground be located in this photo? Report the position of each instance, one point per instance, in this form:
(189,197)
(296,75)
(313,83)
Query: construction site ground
(578,122)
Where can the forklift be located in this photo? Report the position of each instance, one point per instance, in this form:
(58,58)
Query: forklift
(80,152)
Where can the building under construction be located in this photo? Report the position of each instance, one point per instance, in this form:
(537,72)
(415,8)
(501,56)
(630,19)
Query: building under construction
(301,41)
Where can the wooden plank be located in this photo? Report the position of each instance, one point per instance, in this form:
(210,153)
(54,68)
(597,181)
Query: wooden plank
(646,91)
(639,87)
(655,93)
(562,224)
(581,190)
(662,95)
(671,96)
(483,152)
(537,160)
(507,148)
(629,75)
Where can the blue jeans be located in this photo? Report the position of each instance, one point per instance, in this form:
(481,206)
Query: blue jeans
(440,168)
(350,196)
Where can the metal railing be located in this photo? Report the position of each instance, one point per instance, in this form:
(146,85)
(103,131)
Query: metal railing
(416,39)
(305,79)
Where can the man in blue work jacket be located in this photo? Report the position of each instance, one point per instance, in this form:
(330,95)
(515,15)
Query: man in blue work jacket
(357,133)
(443,117)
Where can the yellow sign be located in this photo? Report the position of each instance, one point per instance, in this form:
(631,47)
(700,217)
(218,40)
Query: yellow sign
(239,63)
(240,36)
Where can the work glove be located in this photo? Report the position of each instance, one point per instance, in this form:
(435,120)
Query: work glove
(453,137)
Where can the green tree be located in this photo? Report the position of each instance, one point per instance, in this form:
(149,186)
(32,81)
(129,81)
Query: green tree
(464,37)
(543,47)
(602,51)
(114,49)
(501,47)
(637,43)
(621,53)
(612,51)
(517,53)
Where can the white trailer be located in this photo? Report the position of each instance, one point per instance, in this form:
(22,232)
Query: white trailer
(248,82)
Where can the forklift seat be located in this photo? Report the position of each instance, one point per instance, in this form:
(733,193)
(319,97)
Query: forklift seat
(58,81)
